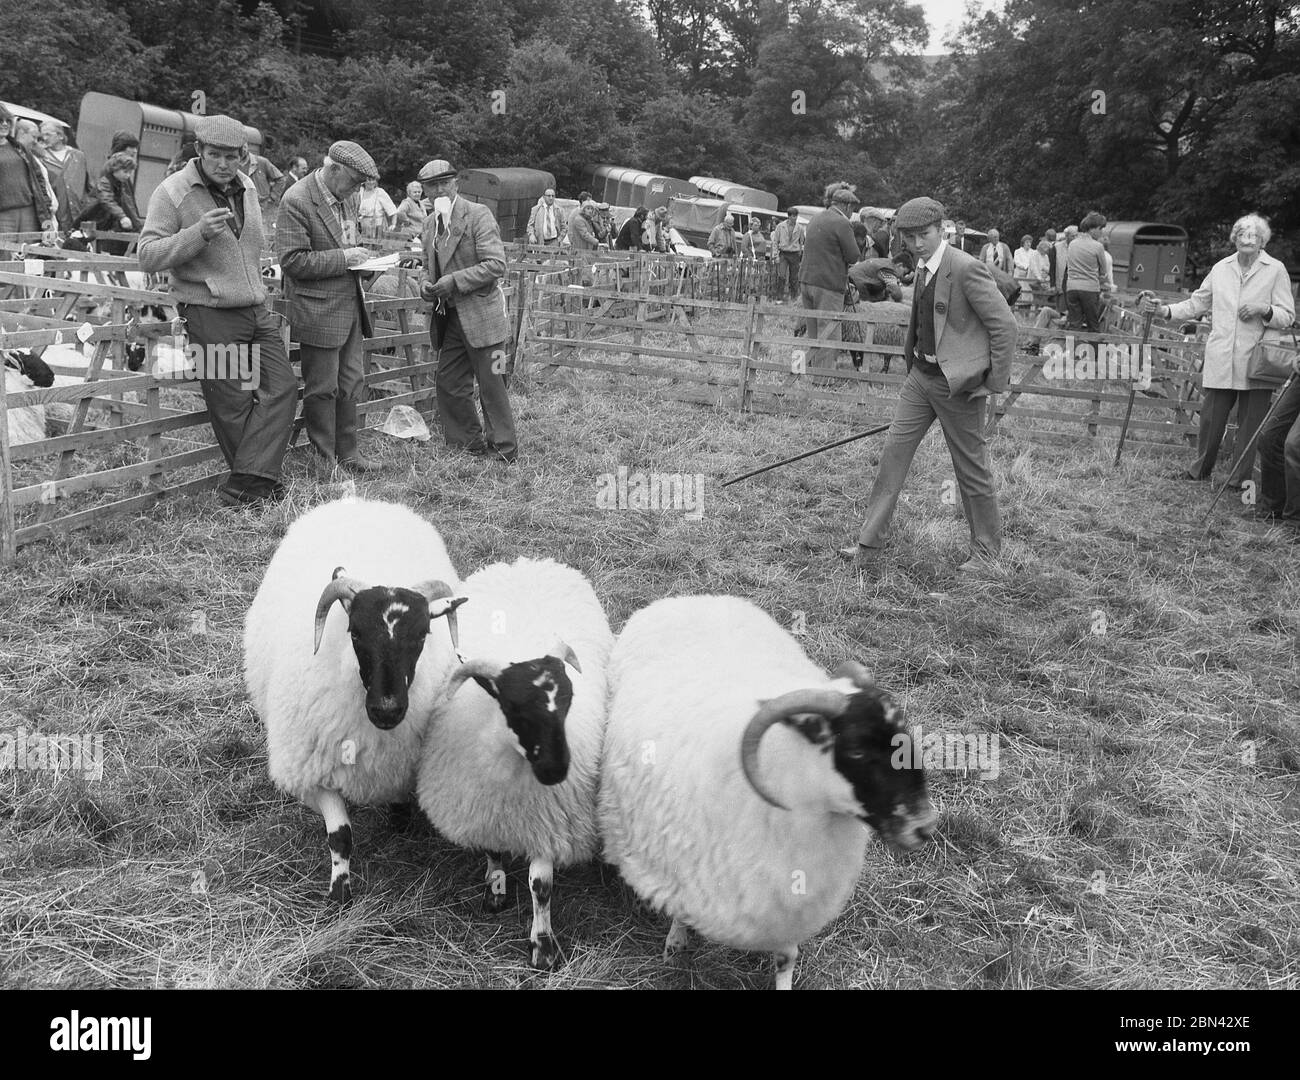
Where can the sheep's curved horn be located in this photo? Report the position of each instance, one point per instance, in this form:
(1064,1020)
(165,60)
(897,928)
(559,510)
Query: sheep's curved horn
(779,710)
(481,669)
(341,587)
(852,669)
(562,650)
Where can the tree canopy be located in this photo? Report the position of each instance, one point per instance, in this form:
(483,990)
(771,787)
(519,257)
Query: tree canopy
(1045,109)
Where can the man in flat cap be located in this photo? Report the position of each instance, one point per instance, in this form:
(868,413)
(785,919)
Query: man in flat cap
(316,243)
(958,349)
(204,225)
(464,262)
(829,249)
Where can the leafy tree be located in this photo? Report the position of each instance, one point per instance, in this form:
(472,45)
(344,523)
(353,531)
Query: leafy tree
(472,37)
(557,113)
(53,52)
(686,135)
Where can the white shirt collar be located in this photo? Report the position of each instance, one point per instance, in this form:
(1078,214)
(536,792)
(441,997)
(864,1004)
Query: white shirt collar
(932,263)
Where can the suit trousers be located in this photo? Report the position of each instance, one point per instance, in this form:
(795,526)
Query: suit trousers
(1252,407)
(820,330)
(1279,457)
(922,399)
(252,426)
(333,381)
(790,262)
(459,365)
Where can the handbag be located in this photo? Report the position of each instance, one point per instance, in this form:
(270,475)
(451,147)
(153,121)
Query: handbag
(1270,360)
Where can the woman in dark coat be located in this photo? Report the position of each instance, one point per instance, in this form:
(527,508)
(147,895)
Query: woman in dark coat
(114,208)
(24,203)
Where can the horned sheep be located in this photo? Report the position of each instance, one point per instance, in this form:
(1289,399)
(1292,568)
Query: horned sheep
(511,762)
(333,699)
(737,776)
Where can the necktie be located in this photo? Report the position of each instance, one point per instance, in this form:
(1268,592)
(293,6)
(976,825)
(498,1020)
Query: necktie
(923,277)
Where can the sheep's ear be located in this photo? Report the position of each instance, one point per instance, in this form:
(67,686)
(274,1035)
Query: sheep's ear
(814,727)
(489,685)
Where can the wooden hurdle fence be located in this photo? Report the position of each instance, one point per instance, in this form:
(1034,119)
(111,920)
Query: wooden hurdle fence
(75,477)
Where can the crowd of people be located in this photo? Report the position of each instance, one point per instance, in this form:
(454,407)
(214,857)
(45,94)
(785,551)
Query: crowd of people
(207,222)
(205,228)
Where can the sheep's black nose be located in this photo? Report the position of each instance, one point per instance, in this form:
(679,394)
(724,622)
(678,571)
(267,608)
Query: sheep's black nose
(551,773)
(386,714)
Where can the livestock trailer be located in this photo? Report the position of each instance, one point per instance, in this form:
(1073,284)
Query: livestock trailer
(159,130)
(728,191)
(509,193)
(22,112)
(621,186)
(695,218)
(1147,255)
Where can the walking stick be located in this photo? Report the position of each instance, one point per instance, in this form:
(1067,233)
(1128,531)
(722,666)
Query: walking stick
(1250,446)
(809,453)
(1132,390)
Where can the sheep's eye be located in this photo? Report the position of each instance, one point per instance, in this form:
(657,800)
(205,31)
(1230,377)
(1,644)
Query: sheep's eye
(855,755)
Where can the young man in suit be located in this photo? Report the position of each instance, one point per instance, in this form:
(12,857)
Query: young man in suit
(315,239)
(958,349)
(464,262)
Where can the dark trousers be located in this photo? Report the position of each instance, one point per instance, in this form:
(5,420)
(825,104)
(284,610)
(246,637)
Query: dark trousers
(922,400)
(1279,457)
(334,382)
(1084,310)
(1252,406)
(252,425)
(790,261)
(459,365)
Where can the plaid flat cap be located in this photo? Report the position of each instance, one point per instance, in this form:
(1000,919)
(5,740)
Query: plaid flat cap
(918,213)
(435,170)
(350,154)
(220,130)
(845,195)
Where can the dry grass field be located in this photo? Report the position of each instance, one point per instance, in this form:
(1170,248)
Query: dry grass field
(1139,672)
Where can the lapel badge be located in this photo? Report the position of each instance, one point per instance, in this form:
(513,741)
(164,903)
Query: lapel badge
(940,308)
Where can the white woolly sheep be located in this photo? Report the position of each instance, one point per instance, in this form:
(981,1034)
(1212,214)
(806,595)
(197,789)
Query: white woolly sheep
(511,764)
(25,371)
(695,815)
(333,707)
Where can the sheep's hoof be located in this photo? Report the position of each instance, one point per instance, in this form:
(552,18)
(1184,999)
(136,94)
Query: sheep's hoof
(341,890)
(546,952)
(496,900)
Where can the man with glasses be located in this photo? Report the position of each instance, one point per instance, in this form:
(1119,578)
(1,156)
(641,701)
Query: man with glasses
(204,226)
(315,240)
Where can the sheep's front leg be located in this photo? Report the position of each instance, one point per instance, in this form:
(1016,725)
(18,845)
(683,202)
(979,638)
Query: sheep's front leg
(785,967)
(338,834)
(677,944)
(496,896)
(545,949)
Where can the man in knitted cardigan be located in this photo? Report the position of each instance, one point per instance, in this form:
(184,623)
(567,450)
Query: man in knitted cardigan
(205,226)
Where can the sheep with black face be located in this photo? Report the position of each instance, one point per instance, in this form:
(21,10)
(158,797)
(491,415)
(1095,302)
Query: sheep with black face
(511,761)
(737,776)
(346,701)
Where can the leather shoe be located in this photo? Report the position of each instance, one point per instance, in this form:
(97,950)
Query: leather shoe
(359,464)
(242,489)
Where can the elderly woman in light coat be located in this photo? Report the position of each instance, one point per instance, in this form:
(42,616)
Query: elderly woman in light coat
(1245,294)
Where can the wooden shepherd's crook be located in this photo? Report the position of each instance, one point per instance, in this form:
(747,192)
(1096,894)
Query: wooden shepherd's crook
(1132,390)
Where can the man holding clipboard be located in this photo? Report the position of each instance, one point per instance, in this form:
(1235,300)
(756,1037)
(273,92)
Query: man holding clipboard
(316,238)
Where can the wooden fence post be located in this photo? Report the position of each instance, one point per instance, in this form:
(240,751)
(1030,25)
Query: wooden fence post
(746,357)
(8,544)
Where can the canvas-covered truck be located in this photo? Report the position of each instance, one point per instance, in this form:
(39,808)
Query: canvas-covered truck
(695,217)
(159,130)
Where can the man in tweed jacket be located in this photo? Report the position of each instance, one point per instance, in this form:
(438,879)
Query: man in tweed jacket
(205,226)
(464,262)
(327,310)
